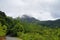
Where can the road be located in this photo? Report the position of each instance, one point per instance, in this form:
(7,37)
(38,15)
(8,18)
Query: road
(12,38)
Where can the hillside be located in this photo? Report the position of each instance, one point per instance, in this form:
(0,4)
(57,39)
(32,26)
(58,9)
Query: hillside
(49,23)
(29,28)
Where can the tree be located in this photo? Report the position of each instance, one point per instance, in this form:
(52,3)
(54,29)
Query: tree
(3,30)
(17,28)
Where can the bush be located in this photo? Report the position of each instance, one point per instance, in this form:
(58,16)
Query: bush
(3,30)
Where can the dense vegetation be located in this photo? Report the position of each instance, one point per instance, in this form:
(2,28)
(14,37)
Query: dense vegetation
(29,28)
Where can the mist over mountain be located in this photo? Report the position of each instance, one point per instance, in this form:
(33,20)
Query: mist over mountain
(51,23)
(40,9)
(30,19)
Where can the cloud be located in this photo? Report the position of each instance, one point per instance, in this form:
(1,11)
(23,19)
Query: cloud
(55,10)
(40,9)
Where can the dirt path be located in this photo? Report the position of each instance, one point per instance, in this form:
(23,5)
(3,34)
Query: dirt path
(12,38)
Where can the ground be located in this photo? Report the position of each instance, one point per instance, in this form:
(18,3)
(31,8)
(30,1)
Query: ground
(12,38)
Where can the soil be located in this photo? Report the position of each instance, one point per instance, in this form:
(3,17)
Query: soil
(2,38)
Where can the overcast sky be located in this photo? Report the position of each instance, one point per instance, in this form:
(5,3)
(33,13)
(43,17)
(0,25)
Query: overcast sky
(40,9)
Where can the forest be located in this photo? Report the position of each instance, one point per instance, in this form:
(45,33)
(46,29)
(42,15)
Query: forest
(29,28)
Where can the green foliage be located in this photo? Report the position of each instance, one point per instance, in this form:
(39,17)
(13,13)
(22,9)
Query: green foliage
(3,30)
(2,14)
(17,28)
(36,36)
(31,30)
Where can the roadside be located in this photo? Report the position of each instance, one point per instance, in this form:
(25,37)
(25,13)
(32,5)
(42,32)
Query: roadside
(12,38)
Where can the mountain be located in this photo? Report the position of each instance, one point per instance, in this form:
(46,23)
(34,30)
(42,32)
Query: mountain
(55,23)
(26,24)
(50,23)
(28,19)
(25,18)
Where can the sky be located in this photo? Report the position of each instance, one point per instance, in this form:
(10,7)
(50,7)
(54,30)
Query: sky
(39,9)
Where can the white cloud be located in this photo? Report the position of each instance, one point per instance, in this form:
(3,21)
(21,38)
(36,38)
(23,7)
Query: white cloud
(40,9)
(42,15)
